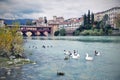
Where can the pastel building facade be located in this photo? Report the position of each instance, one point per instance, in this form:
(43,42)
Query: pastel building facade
(71,24)
(112,13)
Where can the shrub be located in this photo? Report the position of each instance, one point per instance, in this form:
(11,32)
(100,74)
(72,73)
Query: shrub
(85,32)
(76,33)
(56,33)
(10,41)
(62,32)
(95,32)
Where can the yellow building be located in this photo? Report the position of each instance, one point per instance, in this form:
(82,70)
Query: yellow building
(112,13)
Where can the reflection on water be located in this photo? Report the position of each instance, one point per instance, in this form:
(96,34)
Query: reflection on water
(51,59)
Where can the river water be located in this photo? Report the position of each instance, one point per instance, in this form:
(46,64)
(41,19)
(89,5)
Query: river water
(50,59)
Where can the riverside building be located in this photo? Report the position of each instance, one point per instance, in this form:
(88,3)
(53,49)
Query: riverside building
(112,14)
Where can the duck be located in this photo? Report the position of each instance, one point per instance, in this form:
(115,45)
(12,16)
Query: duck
(88,58)
(66,58)
(60,73)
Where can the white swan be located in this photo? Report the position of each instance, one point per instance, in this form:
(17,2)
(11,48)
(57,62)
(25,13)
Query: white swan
(75,56)
(66,52)
(97,53)
(88,58)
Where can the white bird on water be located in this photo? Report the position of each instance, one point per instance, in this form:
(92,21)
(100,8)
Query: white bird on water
(97,53)
(75,56)
(88,58)
(66,52)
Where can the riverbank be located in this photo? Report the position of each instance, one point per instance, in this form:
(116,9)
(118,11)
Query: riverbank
(5,62)
(7,65)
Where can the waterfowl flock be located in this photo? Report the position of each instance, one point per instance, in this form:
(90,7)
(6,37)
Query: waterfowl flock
(70,54)
(43,46)
(76,55)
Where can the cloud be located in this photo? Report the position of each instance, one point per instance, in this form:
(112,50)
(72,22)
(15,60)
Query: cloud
(18,8)
(49,8)
(4,1)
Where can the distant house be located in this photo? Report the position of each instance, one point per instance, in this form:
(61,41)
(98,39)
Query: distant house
(71,24)
(2,23)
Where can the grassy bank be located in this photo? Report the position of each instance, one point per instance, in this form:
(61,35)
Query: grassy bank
(5,62)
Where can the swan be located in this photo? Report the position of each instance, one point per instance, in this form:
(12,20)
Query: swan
(66,52)
(75,56)
(88,58)
(97,53)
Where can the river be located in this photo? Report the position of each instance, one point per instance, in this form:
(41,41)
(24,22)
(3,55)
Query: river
(50,59)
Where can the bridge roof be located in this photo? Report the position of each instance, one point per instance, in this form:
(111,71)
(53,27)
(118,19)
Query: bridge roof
(35,26)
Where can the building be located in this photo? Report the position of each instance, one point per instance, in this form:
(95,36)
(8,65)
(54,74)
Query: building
(2,23)
(55,22)
(70,25)
(41,21)
(58,19)
(112,13)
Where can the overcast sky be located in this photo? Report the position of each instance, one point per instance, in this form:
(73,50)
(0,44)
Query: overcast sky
(39,8)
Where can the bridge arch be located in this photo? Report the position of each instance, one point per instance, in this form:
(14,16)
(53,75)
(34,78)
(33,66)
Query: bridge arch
(45,33)
(36,30)
(20,32)
(37,33)
(28,33)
